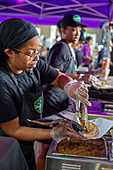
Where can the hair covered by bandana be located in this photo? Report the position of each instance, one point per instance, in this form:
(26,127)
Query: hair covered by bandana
(14,32)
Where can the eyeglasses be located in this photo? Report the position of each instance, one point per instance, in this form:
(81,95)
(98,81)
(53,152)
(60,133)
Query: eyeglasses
(32,56)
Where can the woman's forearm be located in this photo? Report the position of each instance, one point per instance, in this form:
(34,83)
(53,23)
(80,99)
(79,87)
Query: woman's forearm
(13,129)
(61,80)
(31,134)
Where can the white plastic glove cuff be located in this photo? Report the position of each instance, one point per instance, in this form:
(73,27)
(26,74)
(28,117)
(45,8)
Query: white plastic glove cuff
(69,84)
(57,139)
(100,71)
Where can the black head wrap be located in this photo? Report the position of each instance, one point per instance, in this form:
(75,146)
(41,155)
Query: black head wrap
(14,32)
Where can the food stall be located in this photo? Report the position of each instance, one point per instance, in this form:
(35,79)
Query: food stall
(60,160)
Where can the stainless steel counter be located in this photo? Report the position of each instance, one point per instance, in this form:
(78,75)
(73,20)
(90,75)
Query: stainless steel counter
(57,161)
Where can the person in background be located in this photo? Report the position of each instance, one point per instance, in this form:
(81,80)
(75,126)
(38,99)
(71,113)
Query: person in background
(77,48)
(78,52)
(22,75)
(42,40)
(86,49)
(43,55)
(61,58)
(58,38)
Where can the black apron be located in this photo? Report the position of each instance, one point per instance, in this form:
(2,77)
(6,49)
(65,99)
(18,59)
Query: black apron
(28,99)
(55,99)
(28,112)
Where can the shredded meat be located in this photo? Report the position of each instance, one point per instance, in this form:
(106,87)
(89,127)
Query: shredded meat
(94,148)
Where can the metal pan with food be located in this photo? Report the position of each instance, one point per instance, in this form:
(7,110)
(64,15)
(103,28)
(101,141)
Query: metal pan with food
(91,149)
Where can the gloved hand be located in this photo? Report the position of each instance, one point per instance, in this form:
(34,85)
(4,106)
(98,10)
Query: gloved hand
(90,79)
(63,129)
(77,91)
(104,76)
(100,72)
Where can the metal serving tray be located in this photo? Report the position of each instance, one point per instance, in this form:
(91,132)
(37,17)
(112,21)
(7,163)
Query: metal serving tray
(57,161)
(105,157)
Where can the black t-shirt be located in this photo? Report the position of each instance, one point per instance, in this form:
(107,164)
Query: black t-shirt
(79,56)
(55,99)
(10,99)
(60,56)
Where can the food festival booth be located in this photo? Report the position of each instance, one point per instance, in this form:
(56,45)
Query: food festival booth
(95,14)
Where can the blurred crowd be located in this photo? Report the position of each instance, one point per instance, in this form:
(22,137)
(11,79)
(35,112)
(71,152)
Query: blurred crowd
(44,89)
(85,55)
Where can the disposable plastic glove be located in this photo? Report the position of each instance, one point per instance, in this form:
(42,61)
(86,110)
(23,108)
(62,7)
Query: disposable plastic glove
(100,72)
(77,91)
(105,76)
(63,129)
(90,79)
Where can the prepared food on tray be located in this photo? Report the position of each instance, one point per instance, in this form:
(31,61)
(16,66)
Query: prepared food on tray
(91,131)
(93,148)
(89,128)
(103,84)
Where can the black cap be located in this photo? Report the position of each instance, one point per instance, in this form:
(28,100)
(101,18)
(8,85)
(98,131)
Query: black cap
(83,35)
(71,20)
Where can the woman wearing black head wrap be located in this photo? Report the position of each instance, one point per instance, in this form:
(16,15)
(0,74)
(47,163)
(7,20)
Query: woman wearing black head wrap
(21,76)
(15,32)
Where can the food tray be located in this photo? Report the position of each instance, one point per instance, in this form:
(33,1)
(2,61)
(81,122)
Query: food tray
(103,157)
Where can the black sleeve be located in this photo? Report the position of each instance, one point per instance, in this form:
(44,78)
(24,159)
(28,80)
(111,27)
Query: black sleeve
(47,73)
(7,108)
